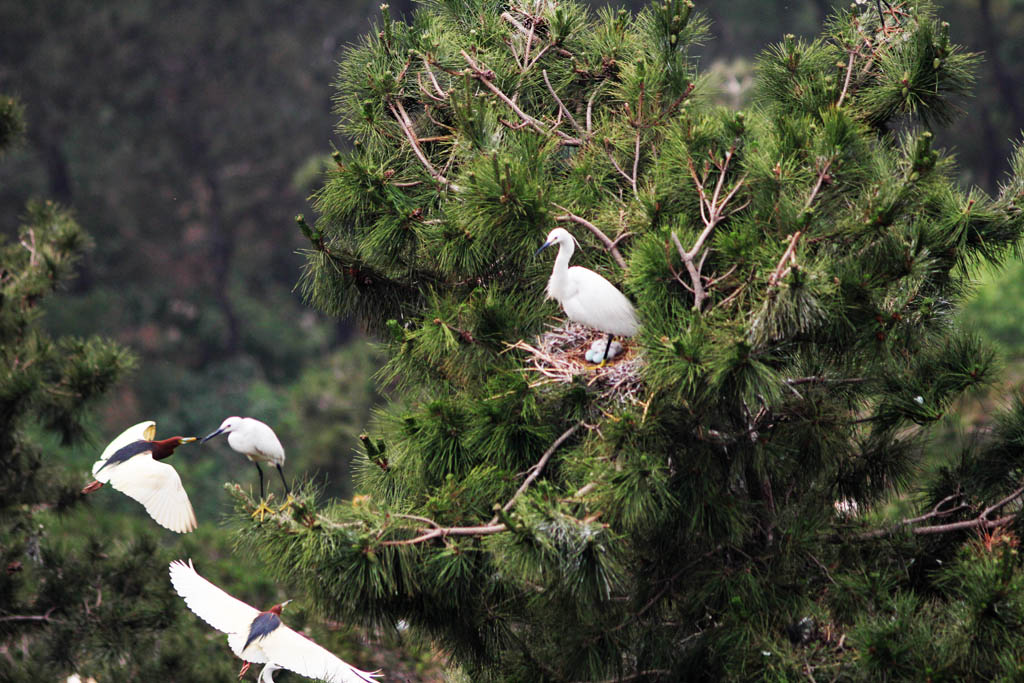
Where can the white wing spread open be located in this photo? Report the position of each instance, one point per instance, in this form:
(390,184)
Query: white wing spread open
(144,431)
(211,604)
(157,486)
(282,647)
(293,651)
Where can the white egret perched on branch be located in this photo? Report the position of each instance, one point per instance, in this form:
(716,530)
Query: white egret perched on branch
(256,441)
(587,297)
(260,637)
(129,464)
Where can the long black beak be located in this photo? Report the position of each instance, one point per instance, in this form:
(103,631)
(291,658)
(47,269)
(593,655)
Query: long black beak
(210,436)
(542,248)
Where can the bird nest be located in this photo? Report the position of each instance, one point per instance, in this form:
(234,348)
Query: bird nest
(557,356)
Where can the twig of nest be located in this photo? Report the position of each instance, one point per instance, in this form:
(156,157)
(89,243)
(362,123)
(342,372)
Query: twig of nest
(557,355)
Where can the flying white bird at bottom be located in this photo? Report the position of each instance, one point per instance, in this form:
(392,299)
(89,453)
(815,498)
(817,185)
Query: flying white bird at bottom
(260,637)
(587,297)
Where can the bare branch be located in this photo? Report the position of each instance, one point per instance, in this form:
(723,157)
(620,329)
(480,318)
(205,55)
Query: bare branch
(590,109)
(696,283)
(491,527)
(608,244)
(443,94)
(982,521)
(403,120)
(712,212)
(822,174)
(540,54)
(636,159)
(1009,499)
(423,89)
(529,44)
(33,617)
(443,532)
(797,381)
(846,83)
(977,523)
(611,157)
(416,518)
(512,20)
(536,469)
(559,101)
(485,75)
(789,255)
(715,280)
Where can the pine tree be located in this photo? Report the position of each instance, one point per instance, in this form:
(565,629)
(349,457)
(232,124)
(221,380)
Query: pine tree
(713,509)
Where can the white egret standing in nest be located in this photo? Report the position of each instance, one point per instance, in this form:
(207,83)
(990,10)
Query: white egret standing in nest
(130,464)
(587,297)
(260,637)
(258,442)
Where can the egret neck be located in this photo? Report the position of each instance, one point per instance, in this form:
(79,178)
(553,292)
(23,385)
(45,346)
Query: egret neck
(559,286)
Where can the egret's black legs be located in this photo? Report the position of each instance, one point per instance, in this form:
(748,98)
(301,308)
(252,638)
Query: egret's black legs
(607,347)
(288,494)
(281,472)
(261,510)
(261,476)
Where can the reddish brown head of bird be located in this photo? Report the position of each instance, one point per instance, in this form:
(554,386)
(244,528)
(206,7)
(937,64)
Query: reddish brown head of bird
(161,449)
(165,447)
(276,609)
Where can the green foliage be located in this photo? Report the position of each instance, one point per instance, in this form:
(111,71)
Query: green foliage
(187,193)
(84,587)
(12,122)
(47,389)
(797,267)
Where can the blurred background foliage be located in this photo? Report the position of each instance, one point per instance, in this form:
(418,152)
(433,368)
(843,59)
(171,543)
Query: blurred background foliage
(186,135)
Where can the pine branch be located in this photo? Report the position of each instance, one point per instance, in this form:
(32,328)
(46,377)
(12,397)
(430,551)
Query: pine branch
(629,179)
(34,617)
(561,106)
(782,270)
(846,82)
(980,522)
(443,532)
(712,212)
(485,76)
(538,468)
(492,527)
(465,335)
(403,120)
(796,381)
(822,177)
(608,244)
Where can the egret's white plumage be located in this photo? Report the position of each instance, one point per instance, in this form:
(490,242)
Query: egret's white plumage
(587,297)
(154,484)
(281,647)
(255,440)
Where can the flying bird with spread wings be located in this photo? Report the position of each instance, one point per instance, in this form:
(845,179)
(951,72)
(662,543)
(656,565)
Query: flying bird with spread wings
(131,464)
(260,637)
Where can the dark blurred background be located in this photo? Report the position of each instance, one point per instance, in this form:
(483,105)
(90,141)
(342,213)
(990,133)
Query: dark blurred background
(186,136)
